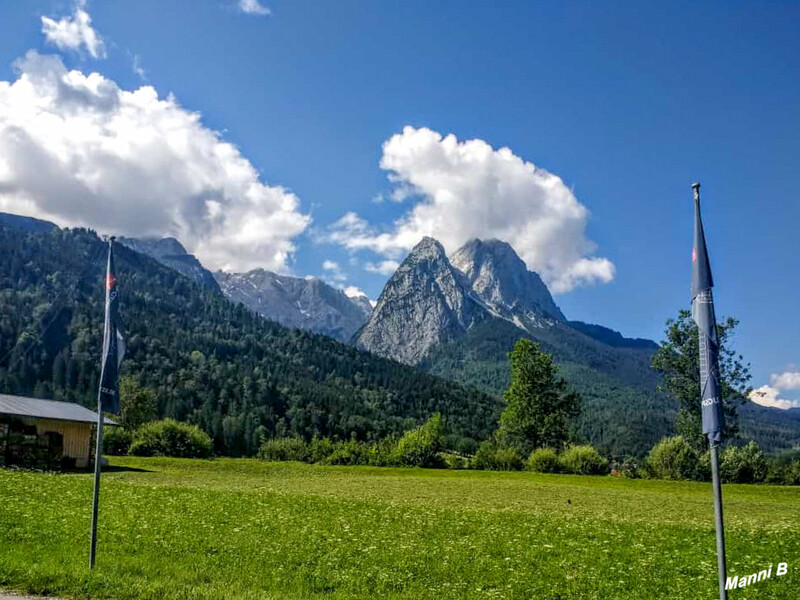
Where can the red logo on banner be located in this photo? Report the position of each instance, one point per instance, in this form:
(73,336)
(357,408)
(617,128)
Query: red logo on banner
(694,254)
(111,281)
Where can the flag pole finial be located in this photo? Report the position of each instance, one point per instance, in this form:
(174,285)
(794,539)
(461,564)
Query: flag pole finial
(696,188)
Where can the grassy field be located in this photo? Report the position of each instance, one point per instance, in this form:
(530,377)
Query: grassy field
(223,529)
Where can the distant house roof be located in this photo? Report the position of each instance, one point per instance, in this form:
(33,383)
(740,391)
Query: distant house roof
(20,406)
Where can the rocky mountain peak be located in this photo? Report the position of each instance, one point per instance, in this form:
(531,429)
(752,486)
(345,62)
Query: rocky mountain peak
(424,303)
(501,279)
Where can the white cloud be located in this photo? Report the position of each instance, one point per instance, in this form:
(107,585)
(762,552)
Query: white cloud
(136,65)
(468,189)
(334,271)
(253,7)
(386,267)
(352,291)
(78,150)
(74,32)
(768,396)
(788,380)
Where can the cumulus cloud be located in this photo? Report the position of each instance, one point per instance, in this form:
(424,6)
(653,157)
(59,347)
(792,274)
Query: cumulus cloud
(78,150)
(352,291)
(74,32)
(253,7)
(769,396)
(385,267)
(788,380)
(467,189)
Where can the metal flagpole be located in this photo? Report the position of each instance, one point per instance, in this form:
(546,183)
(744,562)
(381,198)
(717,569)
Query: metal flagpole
(718,522)
(97,467)
(108,378)
(710,389)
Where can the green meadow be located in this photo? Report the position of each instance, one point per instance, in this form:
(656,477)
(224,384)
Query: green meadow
(224,529)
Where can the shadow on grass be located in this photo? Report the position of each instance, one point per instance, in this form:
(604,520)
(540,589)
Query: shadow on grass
(106,469)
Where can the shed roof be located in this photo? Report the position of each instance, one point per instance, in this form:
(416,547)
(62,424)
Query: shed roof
(57,410)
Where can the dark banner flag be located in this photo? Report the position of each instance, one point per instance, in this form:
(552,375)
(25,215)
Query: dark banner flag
(703,314)
(113,342)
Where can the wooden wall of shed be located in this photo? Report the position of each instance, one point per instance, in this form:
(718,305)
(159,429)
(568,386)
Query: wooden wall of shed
(77,438)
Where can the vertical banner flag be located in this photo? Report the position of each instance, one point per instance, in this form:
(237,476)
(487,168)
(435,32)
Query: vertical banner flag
(704,317)
(113,342)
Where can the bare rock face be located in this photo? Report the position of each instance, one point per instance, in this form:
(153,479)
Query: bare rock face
(171,253)
(425,302)
(503,282)
(295,302)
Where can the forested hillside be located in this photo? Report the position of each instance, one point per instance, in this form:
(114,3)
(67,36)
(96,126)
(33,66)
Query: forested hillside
(212,363)
(622,411)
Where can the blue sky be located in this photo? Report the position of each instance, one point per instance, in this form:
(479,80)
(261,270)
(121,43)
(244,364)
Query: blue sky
(627,103)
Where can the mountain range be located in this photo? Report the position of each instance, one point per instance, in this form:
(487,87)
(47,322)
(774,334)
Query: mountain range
(209,361)
(457,317)
(300,303)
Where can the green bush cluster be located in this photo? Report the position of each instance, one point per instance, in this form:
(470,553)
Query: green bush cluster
(674,458)
(494,457)
(743,464)
(578,460)
(419,447)
(170,438)
(116,441)
(543,460)
(583,460)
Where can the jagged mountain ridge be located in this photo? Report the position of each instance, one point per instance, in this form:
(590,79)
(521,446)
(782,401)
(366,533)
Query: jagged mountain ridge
(503,282)
(296,302)
(426,302)
(434,299)
(171,253)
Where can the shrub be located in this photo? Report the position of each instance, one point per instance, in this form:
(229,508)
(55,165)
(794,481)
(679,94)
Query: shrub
(703,472)
(348,453)
(283,449)
(318,450)
(116,441)
(543,460)
(743,464)
(491,457)
(171,438)
(628,469)
(455,461)
(460,445)
(583,460)
(673,458)
(420,447)
(793,473)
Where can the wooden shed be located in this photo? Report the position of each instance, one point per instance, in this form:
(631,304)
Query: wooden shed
(33,431)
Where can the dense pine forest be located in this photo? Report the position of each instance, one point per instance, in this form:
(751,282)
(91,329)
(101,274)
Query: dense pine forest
(239,377)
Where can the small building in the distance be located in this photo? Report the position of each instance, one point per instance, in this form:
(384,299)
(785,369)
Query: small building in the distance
(36,433)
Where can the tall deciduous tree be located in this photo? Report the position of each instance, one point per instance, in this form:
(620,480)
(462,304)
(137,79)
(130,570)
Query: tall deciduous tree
(678,359)
(139,404)
(539,404)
